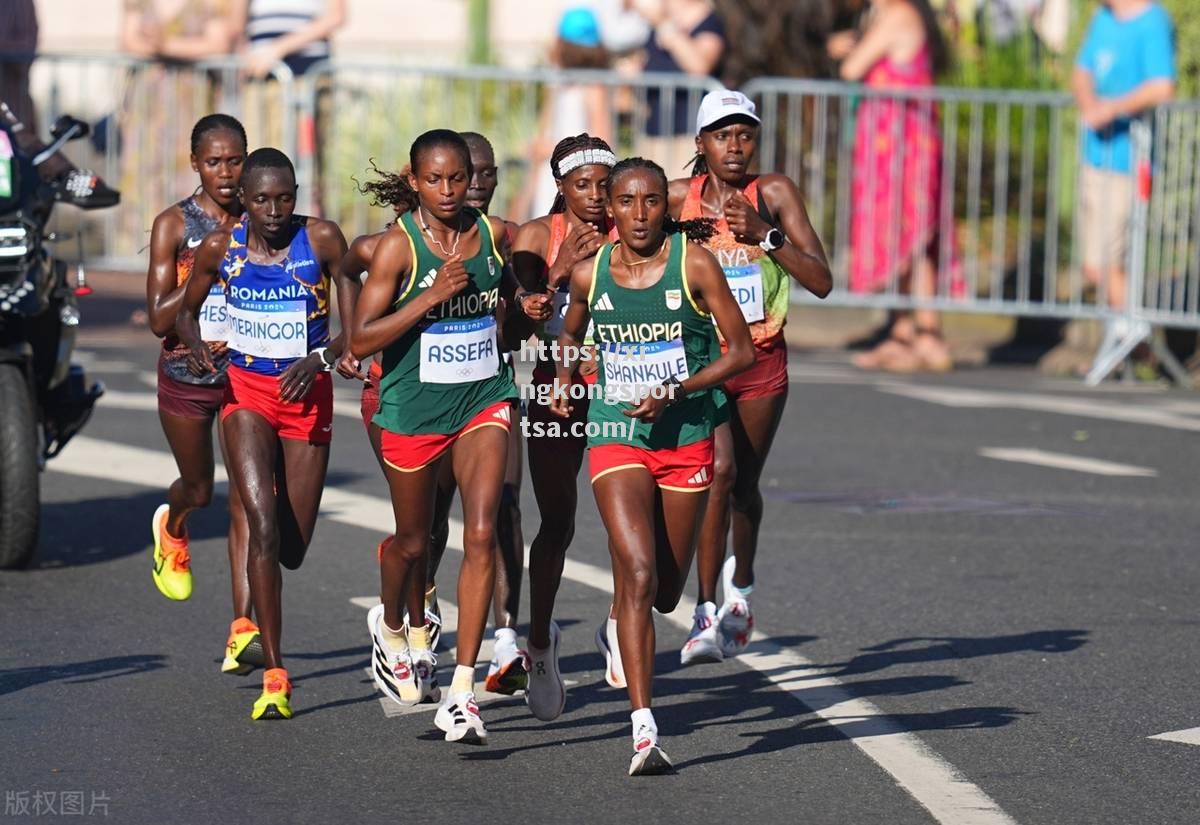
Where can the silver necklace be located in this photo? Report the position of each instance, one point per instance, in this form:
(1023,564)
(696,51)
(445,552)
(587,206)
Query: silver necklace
(429,232)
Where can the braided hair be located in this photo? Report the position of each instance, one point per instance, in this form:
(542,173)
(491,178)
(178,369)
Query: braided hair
(393,189)
(565,148)
(698,229)
(216,123)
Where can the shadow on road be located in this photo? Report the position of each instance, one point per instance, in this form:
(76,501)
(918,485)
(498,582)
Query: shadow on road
(78,673)
(948,648)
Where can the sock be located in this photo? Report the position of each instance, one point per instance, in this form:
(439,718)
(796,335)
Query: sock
(430,595)
(742,592)
(418,637)
(464,679)
(396,641)
(643,717)
(706,609)
(506,636)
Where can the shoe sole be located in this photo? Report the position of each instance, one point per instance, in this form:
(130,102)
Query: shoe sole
(656,764)
(508,680)
(555,641)
(602,646)
(706,657)
(272,712)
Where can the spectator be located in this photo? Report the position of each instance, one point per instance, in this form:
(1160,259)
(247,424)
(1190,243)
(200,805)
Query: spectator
(1126,66)
(688,38)
(294,32)
(162,100)
(18,42)
(896,213)
(569,108)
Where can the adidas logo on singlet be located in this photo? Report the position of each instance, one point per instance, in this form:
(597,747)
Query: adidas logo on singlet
(701,477)
(604,303)
(428,280)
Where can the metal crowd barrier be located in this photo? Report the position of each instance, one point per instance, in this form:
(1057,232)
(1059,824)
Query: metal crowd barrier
(978,191)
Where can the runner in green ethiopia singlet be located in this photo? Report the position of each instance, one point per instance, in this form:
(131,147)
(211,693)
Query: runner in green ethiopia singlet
(447,368)
(643,337)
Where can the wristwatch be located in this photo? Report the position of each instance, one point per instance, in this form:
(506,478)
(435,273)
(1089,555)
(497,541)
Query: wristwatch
(774,240)
(326,364)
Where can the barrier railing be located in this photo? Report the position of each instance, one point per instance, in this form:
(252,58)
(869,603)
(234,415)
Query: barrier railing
(944,199)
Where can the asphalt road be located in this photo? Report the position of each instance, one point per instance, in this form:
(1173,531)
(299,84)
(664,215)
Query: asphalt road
(949,637)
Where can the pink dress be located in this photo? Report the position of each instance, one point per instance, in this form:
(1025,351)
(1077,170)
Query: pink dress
(896,211)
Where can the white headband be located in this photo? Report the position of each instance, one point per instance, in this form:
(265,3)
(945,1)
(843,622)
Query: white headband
(586,157)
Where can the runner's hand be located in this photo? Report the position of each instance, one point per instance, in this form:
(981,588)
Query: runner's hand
(537,306)
(744,221)
(581,243)
(650,409)
(450,280)
(299,378)
(350,367)
(588,363)
(560,402)
(200,360)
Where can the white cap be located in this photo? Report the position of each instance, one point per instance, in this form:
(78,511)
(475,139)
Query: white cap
(723,103)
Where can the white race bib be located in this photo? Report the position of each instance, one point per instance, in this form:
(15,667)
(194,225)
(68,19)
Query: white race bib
(631,370)
(214,319)
(459,352)
(275,330)
(746,284)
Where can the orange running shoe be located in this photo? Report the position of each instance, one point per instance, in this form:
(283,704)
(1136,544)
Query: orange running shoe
(275,701)
(243,650)
(172,564)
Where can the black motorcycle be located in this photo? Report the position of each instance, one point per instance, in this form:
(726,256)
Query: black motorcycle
(44,398)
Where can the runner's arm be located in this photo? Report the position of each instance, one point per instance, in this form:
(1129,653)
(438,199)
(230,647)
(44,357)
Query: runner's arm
(330,245)
(204,274)
(710,289)
(570,342)
(529,255)
(516,327)
(349,287)
(802,255)
(163,293)
(374,326)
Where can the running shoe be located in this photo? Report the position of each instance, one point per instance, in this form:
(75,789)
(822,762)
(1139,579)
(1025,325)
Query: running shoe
(509,670)
(424,667)
(546,694)
(391,669)
(606,643)
(648,757)
(702,643)
(243,650)
(275,701)
(172,564)
(735,622)
(459,718)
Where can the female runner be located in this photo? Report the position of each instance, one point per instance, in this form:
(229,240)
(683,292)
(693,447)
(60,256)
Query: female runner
(652,298)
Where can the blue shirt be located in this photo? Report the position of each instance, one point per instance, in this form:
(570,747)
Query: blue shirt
(278,313)
(1121,55)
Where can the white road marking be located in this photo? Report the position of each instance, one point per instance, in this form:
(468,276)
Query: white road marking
(148,401)
(933,782)
(1190,736)
(1062,461)
(1105,409)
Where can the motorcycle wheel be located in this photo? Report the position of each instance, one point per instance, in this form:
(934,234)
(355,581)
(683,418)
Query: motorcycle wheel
(19,497)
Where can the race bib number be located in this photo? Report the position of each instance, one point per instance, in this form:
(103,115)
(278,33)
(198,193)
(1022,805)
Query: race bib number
(558,314)
(275,330)
(631,371)
(746,284)
(459,352)
(214,316)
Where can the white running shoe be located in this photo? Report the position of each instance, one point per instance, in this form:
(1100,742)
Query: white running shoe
(459,718)
(702,643)
(433,620)
(648,758)
(735,622)
(546,694)
(424,666)
(509,669)
(606,643)
(391,669)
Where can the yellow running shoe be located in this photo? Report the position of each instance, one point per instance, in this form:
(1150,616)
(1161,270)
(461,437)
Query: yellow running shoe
(172,564)
(275,700)
(243,650)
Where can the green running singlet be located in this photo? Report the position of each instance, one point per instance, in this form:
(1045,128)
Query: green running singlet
(448,367)
(643,337)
